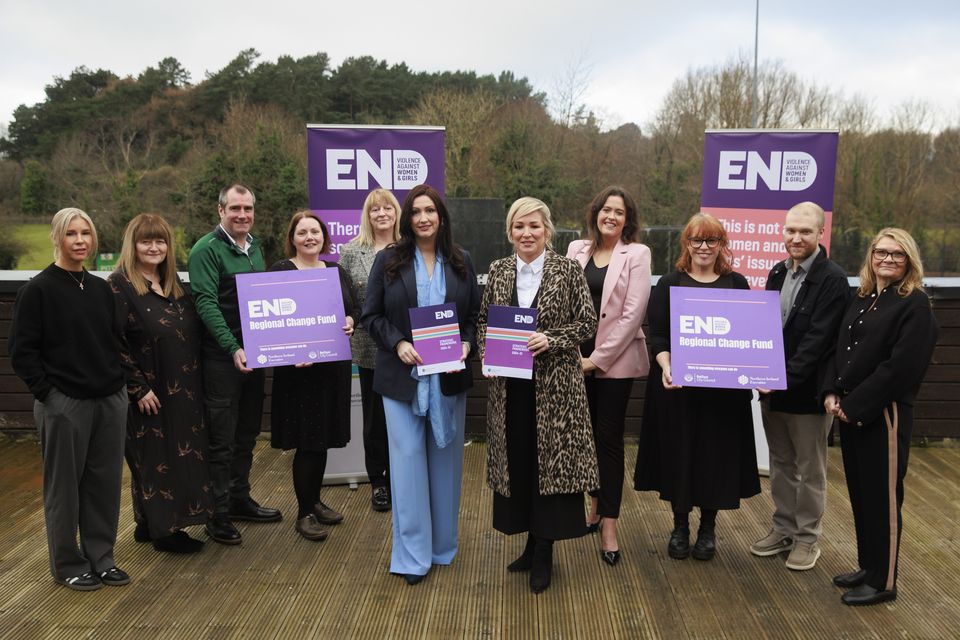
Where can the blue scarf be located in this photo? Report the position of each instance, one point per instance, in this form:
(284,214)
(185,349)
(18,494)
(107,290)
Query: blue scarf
(429,401)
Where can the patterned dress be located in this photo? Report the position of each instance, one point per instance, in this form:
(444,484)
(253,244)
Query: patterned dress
(167,452)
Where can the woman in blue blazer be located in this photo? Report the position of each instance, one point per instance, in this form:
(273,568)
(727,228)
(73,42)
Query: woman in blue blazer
(425,414)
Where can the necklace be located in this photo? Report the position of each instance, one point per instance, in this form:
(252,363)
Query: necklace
(83,274)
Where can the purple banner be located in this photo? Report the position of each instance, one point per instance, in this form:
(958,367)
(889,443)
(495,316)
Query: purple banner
(768,169)
(505,350)
(436,337)
(726,338)
(344,164)
(751,179)
(289,317)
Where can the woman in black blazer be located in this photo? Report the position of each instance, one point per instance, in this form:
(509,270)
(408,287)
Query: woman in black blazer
(425,414)
(886,340)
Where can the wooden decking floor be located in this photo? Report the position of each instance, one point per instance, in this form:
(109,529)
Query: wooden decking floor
(277,585)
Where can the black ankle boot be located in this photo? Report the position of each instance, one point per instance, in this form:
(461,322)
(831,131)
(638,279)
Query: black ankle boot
(679,546)
(142,532)
(525,561)
(706,545)
(542,565)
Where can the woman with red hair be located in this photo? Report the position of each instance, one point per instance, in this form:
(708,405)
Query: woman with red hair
(696,443)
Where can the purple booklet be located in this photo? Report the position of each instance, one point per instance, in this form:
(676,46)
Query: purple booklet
(505,351)
(288,317)
(436,337)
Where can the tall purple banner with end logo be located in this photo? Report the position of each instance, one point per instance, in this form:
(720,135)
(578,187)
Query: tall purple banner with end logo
(752,177)
(345,163)
(726,338)
(289,317)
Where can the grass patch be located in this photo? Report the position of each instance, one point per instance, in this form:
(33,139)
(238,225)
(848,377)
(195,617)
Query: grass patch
(37,251)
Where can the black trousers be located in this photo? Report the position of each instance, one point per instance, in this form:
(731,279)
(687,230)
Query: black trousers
(874,463)
(376,453)
(233,403)
(608,410)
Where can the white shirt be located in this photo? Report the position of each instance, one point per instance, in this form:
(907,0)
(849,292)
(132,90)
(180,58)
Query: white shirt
(245,248)
(528,279)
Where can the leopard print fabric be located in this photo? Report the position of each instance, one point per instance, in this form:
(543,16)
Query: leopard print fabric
(566,454)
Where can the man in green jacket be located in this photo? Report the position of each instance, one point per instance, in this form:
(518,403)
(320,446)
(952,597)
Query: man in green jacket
(233,392)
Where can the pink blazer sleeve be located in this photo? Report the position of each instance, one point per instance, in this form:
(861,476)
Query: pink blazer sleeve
(625,309)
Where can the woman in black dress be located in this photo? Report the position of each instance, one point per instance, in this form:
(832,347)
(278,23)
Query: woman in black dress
(311,401)
(166,445)
(696,444)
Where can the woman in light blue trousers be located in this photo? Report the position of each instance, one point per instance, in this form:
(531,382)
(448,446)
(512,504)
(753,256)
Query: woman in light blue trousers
(425,414)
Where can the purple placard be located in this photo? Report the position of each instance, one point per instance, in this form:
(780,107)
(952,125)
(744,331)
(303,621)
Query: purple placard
(768,169)
(726,338)
(505,351)
(289,317)
(436,337)
(344,164)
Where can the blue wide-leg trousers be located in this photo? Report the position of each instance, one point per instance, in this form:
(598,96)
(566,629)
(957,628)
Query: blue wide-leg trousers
(425,483)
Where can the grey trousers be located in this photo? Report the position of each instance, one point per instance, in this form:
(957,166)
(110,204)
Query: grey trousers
(82,445)
(798,471)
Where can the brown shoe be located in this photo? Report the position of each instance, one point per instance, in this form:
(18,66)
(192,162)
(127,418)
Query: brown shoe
(326,515)
(310,529)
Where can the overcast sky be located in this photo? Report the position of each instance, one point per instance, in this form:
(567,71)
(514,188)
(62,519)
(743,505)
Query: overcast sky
(889,52)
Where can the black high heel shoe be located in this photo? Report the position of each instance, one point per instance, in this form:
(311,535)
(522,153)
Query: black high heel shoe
(593,527)
(610,557)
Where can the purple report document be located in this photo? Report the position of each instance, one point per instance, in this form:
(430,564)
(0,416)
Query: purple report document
(436,337)
(505,351)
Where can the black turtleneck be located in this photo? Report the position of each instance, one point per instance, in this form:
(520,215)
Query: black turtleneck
(63,336)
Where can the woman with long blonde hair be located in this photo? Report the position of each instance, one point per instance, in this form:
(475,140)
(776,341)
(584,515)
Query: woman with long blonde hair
(886,340)
(62,345)
(167,441)
(379,228)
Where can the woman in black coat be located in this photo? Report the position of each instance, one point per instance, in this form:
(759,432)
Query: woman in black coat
(886,340)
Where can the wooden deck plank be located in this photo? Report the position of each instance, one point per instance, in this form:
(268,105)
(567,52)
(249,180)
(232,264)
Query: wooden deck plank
(277,585)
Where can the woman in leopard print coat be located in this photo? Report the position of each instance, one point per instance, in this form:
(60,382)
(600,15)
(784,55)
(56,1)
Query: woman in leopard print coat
(541,455)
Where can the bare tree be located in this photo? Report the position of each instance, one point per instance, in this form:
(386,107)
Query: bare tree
(466,116)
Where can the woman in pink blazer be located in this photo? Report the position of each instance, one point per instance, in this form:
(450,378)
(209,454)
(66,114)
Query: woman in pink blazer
(617,269)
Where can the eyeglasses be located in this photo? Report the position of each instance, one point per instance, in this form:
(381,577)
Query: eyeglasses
(711,243)
(898,257)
